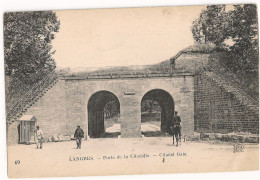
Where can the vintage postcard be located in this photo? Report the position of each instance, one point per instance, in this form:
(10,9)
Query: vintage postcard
(132,91)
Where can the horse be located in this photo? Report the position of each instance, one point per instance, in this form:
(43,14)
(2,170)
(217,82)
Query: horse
(176,131)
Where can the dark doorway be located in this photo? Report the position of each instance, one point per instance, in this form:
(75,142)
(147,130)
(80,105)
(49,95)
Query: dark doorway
(157,107)
(103,115)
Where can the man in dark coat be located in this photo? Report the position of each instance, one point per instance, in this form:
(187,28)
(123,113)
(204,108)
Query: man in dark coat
(176,127)
(78,135)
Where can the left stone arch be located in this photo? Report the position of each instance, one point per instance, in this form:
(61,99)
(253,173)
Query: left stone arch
(96,106)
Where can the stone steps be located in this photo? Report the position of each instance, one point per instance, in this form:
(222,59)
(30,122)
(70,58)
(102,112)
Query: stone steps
(239,94)
(29,101)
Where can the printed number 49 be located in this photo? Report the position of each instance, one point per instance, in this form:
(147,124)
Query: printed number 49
(17,162)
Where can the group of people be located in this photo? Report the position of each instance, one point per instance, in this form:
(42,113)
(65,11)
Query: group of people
(78,135)
(175,126)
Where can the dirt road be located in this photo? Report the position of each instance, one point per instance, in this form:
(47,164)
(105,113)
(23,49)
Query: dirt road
(110,156)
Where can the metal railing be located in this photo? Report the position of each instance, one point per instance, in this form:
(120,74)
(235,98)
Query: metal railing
(33,92)
(130,75)
(233,85)
(18,88)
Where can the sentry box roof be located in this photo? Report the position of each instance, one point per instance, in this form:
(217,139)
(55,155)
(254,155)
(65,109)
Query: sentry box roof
(27,118)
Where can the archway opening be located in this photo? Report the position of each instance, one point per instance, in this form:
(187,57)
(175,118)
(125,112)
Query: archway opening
(157,107)
(103,115)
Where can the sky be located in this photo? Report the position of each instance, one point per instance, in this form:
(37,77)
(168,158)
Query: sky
(122,37)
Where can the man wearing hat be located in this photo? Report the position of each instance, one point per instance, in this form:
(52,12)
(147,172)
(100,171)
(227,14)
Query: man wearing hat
(39,137)
(79,133)
(176,127)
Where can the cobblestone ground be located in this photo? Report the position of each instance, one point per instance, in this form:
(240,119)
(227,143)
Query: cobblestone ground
(110,156)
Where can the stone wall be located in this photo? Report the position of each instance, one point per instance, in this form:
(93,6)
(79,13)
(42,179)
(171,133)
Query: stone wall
(50,111)
(202,105)
(75,106)
(12,133)
(218,110)
(78,93)
(64,106)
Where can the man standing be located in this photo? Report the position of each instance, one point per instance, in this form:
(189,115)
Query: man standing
(79,133)
(176,127)
(39,137)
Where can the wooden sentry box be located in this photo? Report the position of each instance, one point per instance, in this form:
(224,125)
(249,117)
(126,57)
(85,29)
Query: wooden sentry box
(27,129)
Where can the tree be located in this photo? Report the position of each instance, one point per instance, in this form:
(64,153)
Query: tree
(244,51)
(27,42)
(210,27)
(234,31)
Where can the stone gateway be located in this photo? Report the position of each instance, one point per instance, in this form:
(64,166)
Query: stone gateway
(203,100)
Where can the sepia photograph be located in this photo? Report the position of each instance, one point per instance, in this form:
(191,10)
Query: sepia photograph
(126,91)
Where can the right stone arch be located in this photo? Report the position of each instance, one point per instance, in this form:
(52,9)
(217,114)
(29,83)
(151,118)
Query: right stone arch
(166,103)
